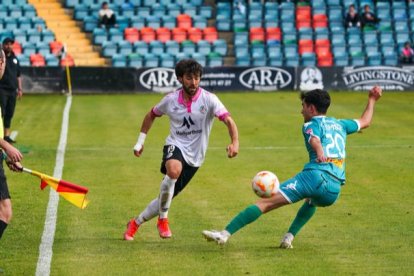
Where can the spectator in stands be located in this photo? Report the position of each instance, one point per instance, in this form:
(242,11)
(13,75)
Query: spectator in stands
(107,17)
(352,17)
(407,54)
(10,87)
(369,20)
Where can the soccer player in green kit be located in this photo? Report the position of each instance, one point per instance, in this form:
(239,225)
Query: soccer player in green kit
(320,181)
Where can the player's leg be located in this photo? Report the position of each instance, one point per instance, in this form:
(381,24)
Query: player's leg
(174,168)
(321,190)
(149,212)
(247,216)
(8,115)
(304,214)
(5,214)
(5,202)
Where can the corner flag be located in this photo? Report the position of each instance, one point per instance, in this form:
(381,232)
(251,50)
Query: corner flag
(73,193)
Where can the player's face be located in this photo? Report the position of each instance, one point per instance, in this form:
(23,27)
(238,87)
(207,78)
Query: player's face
(307,112)
(190,83)
(7,47)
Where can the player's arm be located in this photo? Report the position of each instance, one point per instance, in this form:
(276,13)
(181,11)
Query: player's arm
(374,94)
(145,127)
(316,145)
(233,148)
(13,156)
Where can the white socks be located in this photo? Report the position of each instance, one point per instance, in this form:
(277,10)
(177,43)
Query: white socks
(149,212)
(161,204)
(166,195)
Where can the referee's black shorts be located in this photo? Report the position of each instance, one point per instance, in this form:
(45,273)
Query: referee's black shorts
(173,152)
(4,190)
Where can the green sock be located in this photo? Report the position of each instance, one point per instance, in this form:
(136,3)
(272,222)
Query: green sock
(303,216)
(245,217)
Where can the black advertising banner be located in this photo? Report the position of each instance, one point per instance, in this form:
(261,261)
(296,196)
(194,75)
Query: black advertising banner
(217,79)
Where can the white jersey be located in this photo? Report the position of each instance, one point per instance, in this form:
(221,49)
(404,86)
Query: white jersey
(191,123)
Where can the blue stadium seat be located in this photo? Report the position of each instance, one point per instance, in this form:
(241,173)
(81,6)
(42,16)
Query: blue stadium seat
(172,47)
(135,60)
(341,61)
(80,12)
(169,22)
(137,22)
(143,12)
(29,49)
(203,47)
(114,34)
(214,60)
(188,47)
(24,60)
(24,23)
(292,61)
(90,23)
(51,60)
(10,23)
(158,11)
(109,48)
(48,36)
(43,48)
(308,59)
(200,22)
(220,46)
(173,10)
(156,47)
(119,60)
(223,23)
(205,11)
(151,60)
(20,36)
(141,47)
(241,50)
(153,21)
(99,35)
(200,58)
(167,60)
(243,60)
(124,47)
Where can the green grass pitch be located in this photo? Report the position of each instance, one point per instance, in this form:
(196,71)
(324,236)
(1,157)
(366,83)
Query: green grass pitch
(368,231)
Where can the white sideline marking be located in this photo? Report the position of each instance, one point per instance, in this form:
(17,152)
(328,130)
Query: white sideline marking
(46,245)
(14,134)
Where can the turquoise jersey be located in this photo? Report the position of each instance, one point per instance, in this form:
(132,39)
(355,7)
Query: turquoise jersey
(332,134)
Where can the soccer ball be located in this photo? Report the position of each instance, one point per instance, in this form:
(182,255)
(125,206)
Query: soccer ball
(265,184)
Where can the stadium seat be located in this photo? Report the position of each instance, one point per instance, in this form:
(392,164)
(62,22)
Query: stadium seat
(141,47)
(167,60)
(119,60)
(195,34)
(184,21)
(131,34)
(134,60)
(220,46)
(204,47)
(200,58)
(151,60)
(124,47)
(214,60)
(156,47)
(210,34)
(172,47)
(147,34)
(109,48)
(37,60)
(179,34)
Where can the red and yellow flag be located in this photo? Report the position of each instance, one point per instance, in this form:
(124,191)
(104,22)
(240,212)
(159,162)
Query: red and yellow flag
(73,193)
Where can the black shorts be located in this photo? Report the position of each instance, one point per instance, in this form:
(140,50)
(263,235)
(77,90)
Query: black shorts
(4,190)
(173,152)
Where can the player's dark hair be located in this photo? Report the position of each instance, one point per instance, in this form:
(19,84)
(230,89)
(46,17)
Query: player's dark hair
(319,98)
(188,66)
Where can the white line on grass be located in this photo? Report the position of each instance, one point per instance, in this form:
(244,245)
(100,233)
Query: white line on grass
(46,245)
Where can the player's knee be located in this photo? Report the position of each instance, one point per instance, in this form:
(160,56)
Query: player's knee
(6,211)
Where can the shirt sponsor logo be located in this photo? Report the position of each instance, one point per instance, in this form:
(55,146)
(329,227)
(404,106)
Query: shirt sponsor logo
(265,78)
(159,80)
(188,122)
(389,78)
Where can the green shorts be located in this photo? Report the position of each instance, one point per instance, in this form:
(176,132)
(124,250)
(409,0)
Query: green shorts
(321,187)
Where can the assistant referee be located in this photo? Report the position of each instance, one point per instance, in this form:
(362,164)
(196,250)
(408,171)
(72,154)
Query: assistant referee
(10,87)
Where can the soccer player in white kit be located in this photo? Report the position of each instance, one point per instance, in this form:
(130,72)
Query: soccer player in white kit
(191,111)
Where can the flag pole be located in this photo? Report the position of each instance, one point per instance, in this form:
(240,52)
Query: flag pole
(67,71)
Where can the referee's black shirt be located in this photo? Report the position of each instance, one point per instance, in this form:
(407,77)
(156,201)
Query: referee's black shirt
(9,81)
